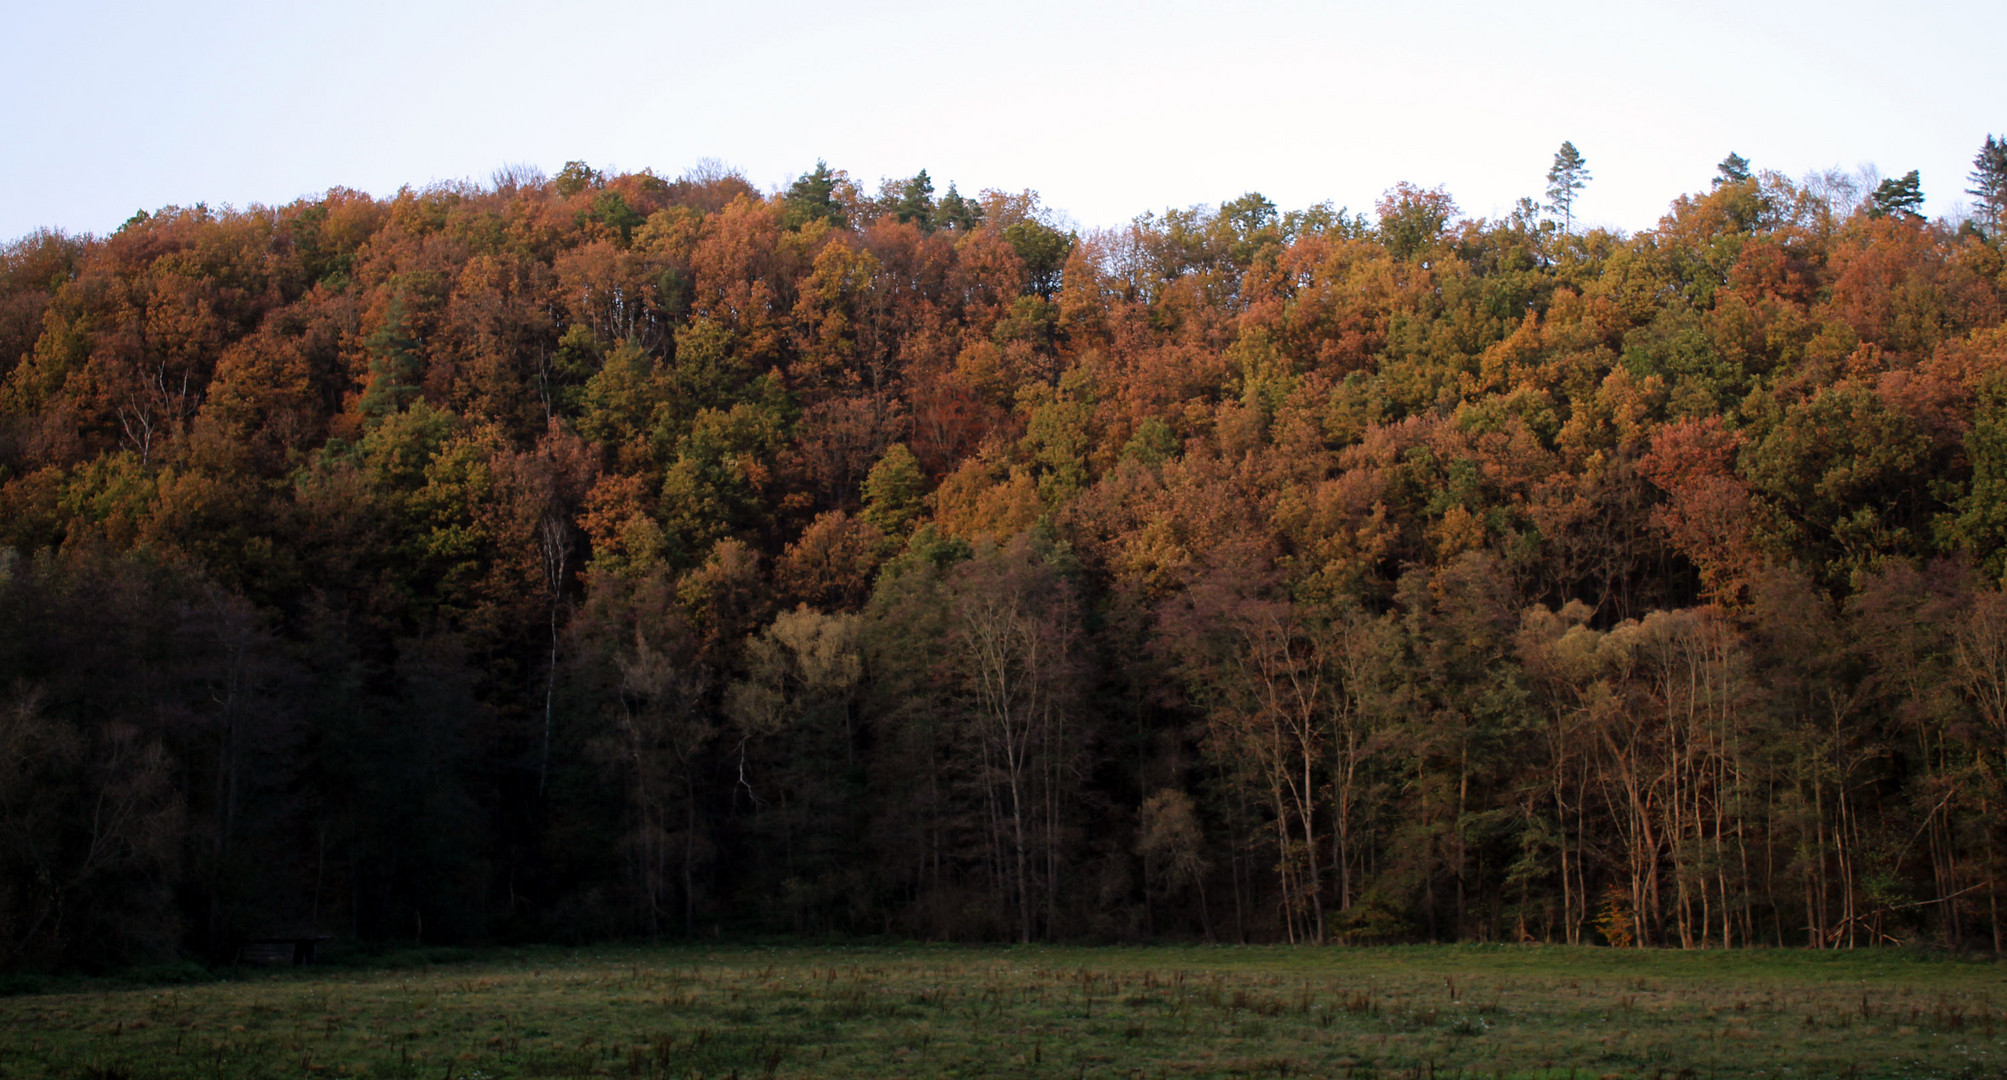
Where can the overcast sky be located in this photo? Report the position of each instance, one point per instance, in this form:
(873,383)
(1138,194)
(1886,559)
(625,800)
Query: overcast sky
(1108,110)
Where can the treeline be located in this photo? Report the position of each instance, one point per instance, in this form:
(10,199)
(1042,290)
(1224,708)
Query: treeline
(601,556)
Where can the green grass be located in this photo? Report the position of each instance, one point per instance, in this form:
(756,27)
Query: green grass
(914,1010)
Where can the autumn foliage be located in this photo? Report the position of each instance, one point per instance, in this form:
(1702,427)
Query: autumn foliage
(604,556)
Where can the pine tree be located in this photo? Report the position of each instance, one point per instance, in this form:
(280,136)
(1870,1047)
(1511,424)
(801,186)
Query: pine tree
(1568,176)
(914,202)
(396,363)
(958,213)
(1734,169)
(1902,196)
(1989,182)
(812,197)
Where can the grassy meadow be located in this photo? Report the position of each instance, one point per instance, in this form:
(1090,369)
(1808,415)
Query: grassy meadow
(918,1010)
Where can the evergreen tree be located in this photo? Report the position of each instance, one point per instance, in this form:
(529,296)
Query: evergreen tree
(1569,175)
(1734,169)
(958,213)
(396,363)
(1901,196)
(812,197)
(1989,182)
(915,202)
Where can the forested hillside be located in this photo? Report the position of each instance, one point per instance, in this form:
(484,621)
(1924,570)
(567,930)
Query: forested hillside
(603,556)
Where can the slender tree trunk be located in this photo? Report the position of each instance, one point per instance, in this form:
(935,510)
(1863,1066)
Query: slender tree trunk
(689,854)
(1306,801)
(550,695)
(1820,907)
(1285,862)
(1992,893)
(1558,786)
(1462,810)
(227,752)
(1017,838)
(1055,736)
(1240,875)
(554,545)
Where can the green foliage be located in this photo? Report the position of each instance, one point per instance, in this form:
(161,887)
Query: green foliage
(1153,443)
(895,491)
(1412,219)
(1044,250)
(715,486)
(1734,169)
(1900,197)
(812,197)
(1323,219)
(1568,175)
(1989,183)
(707,371)
(625,400)
(1059,436)
(1254,226)
(1978,524)
(913,201)
(1030,320)
(578,357)
(610,208)
(398,451)
(1676,348)
(396,363)
(957,213)
(928,548)
(1850,479)
(576,177)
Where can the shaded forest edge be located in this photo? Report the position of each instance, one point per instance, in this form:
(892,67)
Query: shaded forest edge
(595,557)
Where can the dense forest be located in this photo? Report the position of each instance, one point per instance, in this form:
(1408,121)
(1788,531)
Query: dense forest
(604,556)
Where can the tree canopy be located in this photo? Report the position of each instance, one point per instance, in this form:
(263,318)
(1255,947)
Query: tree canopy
(1568,175)
(613,554)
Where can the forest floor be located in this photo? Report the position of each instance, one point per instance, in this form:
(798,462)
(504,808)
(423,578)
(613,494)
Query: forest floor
(917,1010)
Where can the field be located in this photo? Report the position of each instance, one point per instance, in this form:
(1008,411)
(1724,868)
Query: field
(914,1010)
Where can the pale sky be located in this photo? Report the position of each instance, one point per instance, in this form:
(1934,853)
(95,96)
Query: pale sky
(1106,109)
